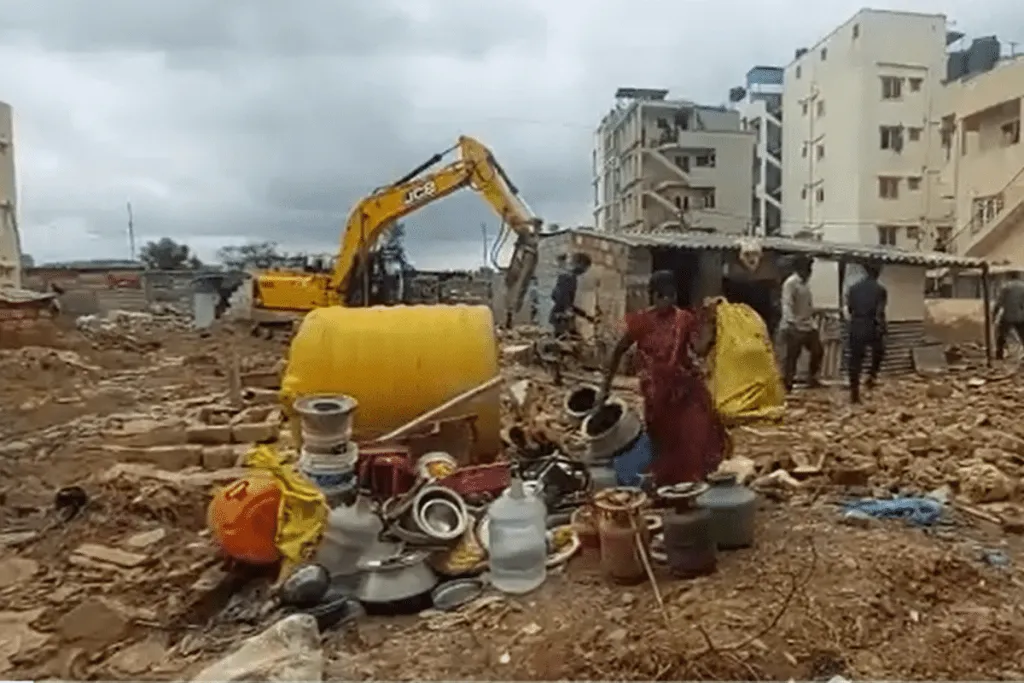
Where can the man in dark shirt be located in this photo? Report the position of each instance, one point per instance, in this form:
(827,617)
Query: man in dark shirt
(564,309)
(866,302)
(1009,312)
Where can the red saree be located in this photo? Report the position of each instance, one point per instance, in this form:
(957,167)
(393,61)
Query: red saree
(687,436)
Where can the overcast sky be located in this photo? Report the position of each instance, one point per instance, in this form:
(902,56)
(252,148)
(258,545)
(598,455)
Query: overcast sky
(224,121)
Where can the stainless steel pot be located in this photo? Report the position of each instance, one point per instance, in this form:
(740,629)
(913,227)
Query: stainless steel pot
(440,513)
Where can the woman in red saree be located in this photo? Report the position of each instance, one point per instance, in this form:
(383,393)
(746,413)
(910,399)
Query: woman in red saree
(687,437)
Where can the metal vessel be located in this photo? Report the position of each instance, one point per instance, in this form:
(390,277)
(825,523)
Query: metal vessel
(689,541)
(732,507)
(621,531)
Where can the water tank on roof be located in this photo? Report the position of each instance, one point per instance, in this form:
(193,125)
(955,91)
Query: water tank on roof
(956,65)
(737,94)
(983,54)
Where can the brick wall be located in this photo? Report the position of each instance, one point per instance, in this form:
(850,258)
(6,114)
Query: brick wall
(26,325)
(95,292)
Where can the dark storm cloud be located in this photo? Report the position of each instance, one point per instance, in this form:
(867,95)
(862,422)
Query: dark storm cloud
(266,29)
(235,119)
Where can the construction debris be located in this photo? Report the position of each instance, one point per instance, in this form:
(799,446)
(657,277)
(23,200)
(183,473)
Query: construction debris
(128,583)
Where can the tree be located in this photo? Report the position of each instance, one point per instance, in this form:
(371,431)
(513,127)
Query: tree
(166,254)
(259,254)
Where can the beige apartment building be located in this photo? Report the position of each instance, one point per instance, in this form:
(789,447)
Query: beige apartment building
(10,243)
(861,145)
(983,159)
(661,164)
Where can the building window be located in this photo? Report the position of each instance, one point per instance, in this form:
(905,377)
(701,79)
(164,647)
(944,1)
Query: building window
(891,137)
(821,107)
(914,134)
(709,198)
(803,193)
(821,152)
(803,150)
(892,88)
(914,183)
(1011,132)
(914,234)
(707,160)
(803,108)
(819,195)
(798,71)
(888,188)
(856,31)
(683,162)
(887,235)
(678,202)
(824,53)
(943,236)
(915,84)
(686,203)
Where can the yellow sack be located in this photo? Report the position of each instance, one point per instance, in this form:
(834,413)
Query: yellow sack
(745,381)
(302,515)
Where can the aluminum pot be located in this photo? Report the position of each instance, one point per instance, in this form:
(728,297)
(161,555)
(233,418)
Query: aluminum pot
(609,431)
(394,578)
(579,402)
(326,421)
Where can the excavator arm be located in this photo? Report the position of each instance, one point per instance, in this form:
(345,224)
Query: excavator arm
(476,168)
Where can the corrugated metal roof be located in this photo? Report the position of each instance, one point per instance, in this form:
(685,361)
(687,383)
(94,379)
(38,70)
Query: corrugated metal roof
(790,245)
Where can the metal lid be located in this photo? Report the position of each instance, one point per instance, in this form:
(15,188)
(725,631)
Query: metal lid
(722,479)
(455,594)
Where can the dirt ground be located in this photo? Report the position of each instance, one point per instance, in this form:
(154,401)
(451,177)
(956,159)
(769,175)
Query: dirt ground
(107,571)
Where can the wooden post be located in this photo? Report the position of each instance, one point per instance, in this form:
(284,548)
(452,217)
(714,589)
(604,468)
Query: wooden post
(985,297)
(235,379)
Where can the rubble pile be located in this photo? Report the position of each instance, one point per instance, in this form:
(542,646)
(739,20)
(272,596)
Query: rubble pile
(951,436)
(107,569)
(131,330)
(26,362)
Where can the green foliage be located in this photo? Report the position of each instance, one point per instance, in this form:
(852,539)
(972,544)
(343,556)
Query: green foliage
(166,254)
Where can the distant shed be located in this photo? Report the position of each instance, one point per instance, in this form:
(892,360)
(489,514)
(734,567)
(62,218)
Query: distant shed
(710,264)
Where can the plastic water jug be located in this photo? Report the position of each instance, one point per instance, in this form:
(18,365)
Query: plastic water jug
(518,546)
(352,530)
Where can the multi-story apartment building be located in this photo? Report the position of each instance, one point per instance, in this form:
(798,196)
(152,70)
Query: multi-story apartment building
(983,154)
(861,141)
(662,164)
(759,102)
(10,243)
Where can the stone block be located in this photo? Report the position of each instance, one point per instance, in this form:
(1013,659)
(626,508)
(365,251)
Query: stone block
(209,435)
(172,458)
(255,432)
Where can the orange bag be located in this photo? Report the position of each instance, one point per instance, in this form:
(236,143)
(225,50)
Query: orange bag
(243,519)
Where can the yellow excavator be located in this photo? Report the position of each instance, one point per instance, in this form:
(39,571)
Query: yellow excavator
(475,168)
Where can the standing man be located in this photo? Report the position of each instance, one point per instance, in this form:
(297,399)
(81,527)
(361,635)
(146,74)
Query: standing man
(798,329)
(1009,312)
(564,309)
(866,302)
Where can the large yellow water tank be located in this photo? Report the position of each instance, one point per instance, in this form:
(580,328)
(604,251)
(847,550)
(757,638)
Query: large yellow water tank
(399,362)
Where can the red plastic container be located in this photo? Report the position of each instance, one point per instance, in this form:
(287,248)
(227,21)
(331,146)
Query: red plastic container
(385,470)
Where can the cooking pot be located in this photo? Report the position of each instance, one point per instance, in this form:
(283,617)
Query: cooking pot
(440,513)
(394,577)
(609,431)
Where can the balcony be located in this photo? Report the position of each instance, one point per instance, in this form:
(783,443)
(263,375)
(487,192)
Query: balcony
(993,217)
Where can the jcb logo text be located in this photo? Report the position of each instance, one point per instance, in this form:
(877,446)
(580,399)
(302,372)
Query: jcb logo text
(419,193)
